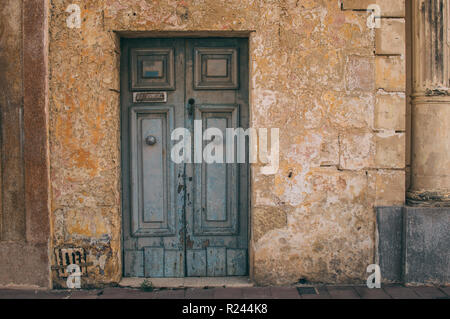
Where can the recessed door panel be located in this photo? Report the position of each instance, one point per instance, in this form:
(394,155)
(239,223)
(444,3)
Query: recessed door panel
(152,69)
(216,202)
(216,68)
(153,180)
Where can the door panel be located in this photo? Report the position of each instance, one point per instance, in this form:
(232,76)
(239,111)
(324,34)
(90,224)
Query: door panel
(153,206)
(216,68)
(216,187)
(216,258)
(154,265)
(237,262)
(153,180)
(183,219)
(216,207)
(152,69)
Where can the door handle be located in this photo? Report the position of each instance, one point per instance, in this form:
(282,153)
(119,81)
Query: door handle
(150,140)
(190,107)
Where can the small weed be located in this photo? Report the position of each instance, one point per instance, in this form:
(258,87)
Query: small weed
(147,285)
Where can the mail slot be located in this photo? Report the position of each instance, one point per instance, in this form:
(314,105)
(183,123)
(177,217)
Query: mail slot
(150,97)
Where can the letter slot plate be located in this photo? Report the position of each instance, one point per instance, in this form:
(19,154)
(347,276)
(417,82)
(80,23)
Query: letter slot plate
(150,97)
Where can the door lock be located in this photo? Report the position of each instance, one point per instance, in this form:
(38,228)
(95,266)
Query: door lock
(190,107)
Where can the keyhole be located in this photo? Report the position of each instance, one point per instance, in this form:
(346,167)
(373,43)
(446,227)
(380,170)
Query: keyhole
(190,106)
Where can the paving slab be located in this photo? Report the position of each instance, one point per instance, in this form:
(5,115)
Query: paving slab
(257,293)
(228,293)
(400,292)
(446,290)
(343,293)
(429,292)
(168,294)
(284,293)
(156,282)
(32,294)
(124,293)
(367,293)
(195,293)
(53,295)
(85,294)
(322,293)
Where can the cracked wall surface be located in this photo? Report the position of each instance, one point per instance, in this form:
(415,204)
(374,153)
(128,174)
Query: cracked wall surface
(315,74)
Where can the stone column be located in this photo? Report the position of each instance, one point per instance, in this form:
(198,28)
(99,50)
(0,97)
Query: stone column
(430,177)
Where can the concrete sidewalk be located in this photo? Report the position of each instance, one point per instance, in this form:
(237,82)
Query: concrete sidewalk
(319,292)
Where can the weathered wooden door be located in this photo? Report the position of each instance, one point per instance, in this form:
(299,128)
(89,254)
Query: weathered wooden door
(191,218)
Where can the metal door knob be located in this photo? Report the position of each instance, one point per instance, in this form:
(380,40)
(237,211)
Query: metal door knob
(150,140)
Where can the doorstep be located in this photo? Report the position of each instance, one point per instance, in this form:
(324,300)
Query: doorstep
(189,282)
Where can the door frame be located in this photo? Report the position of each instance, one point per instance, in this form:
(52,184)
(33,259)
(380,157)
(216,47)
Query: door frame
(123,158)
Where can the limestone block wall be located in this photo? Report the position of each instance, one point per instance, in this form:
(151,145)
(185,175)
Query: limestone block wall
(334,87)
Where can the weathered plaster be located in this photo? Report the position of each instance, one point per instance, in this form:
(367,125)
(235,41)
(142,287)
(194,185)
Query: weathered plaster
(312,76)
(24,161)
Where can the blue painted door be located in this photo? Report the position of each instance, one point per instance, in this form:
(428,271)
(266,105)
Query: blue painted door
(185,219)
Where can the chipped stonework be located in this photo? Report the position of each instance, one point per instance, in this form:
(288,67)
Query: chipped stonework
(312,76)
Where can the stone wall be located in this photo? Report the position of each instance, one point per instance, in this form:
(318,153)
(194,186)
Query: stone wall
(24,174)
(334,87)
